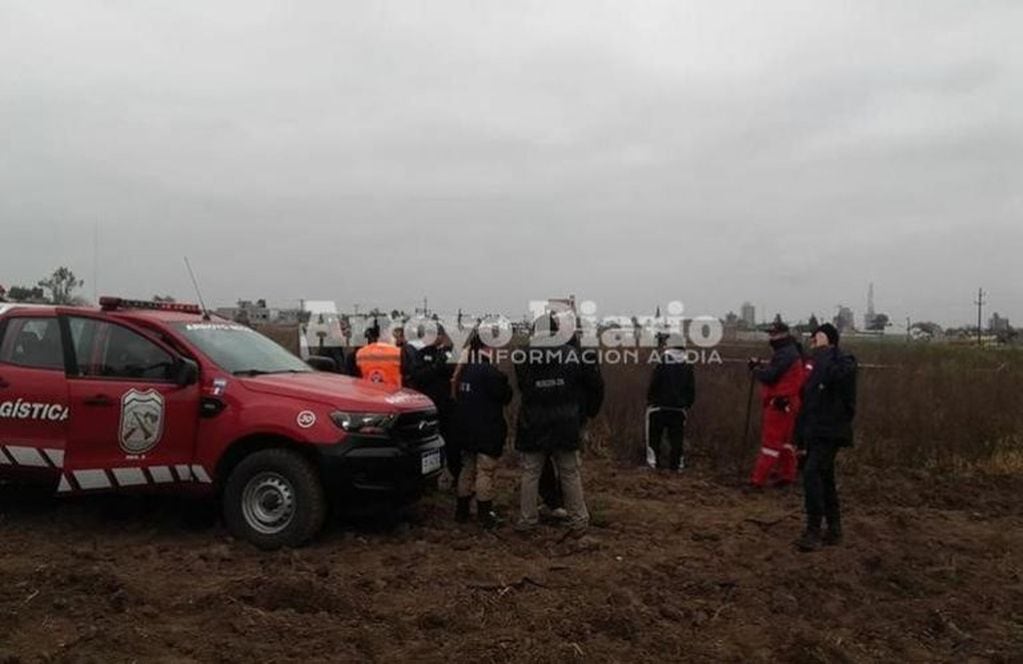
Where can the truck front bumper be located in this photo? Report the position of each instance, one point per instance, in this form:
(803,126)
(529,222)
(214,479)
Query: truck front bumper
(379,468)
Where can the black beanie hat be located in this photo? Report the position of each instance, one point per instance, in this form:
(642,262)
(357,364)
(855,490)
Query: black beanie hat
(830,331)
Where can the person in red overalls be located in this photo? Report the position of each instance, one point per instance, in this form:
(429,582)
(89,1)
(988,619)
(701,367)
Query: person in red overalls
(780,383)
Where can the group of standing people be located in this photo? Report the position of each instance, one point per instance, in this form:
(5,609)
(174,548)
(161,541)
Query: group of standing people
(808,402)
(560,388)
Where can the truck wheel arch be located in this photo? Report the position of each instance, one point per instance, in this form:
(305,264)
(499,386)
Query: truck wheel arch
(241,448)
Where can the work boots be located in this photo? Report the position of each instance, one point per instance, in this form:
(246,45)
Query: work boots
(486,514)
(462,509)
(833,535)
(810,541)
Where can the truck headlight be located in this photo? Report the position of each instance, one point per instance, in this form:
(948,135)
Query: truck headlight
(366,423)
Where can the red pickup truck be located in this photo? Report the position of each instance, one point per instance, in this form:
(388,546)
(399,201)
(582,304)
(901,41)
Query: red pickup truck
(146,396)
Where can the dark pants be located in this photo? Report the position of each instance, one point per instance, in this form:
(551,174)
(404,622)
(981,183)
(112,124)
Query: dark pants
(819,485)
(550,486)
(452,445)
(674,423)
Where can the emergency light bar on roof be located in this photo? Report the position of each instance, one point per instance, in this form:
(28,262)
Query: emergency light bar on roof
(114,303)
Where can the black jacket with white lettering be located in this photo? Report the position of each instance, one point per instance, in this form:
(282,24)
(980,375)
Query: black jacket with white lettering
(483,392)
(559,389)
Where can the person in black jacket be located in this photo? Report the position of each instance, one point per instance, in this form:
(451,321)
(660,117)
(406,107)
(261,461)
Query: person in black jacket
(431,373)
(551,496)
(557,389)
(824,426)
(479,425)
(408,353)
(671,392)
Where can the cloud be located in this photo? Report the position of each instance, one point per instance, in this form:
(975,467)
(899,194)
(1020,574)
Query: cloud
(487,153)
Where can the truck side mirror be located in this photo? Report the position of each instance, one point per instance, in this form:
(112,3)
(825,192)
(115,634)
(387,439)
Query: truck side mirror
(187,372)
(321,363)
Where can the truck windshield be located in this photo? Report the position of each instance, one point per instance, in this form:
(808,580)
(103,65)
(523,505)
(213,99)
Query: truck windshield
(241,351)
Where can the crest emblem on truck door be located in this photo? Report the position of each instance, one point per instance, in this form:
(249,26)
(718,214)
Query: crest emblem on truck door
(141,421)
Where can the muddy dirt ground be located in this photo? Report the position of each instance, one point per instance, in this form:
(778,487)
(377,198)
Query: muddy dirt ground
(677,568)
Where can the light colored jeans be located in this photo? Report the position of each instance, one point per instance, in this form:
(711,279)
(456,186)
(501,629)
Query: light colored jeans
(478,471)
(571,487)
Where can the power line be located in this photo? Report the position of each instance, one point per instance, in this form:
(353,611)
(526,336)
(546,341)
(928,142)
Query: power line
(95,262)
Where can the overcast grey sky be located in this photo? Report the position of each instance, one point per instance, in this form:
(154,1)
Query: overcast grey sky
(488,153)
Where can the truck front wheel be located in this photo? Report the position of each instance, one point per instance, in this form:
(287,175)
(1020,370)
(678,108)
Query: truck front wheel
(274,498)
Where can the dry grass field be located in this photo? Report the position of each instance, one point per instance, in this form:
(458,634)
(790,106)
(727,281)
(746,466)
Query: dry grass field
(679,567)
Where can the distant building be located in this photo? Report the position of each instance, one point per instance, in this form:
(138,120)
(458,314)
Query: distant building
(748,315)
(998,325)
(845,321)
(556,304)
(26,295)
(920,334)
(730,326)
(286,316)
(248,312)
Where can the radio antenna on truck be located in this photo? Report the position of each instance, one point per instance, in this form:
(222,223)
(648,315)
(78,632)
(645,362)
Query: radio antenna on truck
(205,311)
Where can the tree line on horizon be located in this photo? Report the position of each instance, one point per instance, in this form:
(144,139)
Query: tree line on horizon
(58,288)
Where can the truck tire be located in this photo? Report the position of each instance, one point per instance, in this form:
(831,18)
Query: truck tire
(274,498)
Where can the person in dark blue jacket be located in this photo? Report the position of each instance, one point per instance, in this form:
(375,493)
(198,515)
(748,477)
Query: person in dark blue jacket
(480,428)
(824,426)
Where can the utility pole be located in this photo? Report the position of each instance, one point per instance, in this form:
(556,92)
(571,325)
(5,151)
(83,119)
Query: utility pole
(980,307)
(908,328)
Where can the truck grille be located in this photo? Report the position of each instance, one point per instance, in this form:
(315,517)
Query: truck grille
(417,426)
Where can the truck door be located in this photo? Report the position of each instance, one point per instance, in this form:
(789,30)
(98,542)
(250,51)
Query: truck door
(33,399)
(131,425)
